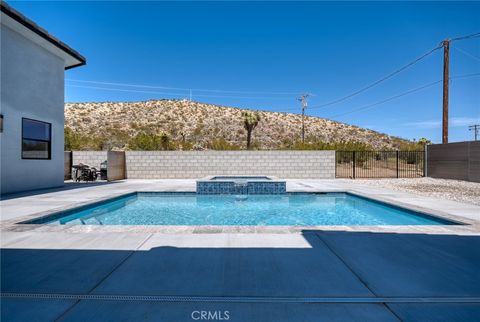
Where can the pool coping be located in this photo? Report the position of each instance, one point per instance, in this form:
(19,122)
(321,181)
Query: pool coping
(465,225)
(250,178)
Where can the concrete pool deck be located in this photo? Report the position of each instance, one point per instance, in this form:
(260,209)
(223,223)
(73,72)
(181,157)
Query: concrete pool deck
(31,205)
(402,273)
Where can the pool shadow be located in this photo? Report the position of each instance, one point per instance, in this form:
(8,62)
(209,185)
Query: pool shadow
(335,264)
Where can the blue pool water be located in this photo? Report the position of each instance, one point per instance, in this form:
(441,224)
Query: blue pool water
(240,178)
(305,209)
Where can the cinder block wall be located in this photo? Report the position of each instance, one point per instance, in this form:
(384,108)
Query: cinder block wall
(198,164)
(92,158)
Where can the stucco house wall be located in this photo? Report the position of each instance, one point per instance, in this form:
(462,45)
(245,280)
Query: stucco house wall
(31,86)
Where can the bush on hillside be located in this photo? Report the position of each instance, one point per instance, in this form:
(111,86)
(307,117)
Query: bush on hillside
(151,142)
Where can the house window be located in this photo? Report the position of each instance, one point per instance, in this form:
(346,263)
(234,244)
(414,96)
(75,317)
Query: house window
(36,139)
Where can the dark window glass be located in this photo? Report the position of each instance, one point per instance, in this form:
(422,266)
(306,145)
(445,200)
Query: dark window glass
(36,130)
(32,149)
(36,141)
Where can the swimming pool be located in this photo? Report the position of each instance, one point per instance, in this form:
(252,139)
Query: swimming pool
(240,178)
(291,209)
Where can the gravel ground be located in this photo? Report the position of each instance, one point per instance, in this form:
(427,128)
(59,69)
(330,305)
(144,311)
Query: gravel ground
(462,191)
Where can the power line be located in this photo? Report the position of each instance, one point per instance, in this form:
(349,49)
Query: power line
(475,128)
(475,35)
(169,94)
(286,110)
(467,53)
(303,100)
(190,90)
(402,94)
(471,36)
(388,76)
(388,99)
(446,78)
(122,90)
(182,89)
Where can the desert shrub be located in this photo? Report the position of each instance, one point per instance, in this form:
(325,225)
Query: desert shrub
(73,140)
(256,145)
(185,145)
(151,142)
(222,144)
(134,125)
(198,129)
(410,146)
(338,146)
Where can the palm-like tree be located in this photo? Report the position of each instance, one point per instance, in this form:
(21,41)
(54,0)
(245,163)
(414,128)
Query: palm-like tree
(424,141)
(250,122)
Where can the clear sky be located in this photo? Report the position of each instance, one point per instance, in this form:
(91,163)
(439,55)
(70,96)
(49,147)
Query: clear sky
(263,55)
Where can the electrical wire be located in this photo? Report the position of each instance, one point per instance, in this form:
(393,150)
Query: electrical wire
(467,53)
(183,89)
(388,76)
(475,35)
(122,90)
(336,101)
(471,36)
(417,89)
(169,94)
(388,99)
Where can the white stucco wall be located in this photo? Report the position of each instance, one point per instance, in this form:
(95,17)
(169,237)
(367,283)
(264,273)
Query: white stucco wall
(32,86)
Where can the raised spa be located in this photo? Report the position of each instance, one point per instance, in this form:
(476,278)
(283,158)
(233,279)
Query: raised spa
(241,185)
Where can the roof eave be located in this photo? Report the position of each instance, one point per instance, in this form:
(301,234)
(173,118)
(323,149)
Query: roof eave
(32,26)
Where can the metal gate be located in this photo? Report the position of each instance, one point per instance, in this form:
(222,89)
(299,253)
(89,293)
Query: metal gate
(379,164)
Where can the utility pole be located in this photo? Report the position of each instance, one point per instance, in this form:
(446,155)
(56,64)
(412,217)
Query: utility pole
(446,49)
(303,100)
(475,128)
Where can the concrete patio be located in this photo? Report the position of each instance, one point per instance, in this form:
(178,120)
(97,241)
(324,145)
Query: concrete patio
(404,273)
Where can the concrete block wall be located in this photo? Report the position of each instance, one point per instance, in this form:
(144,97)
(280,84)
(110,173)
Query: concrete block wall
(92,158)
(199,164)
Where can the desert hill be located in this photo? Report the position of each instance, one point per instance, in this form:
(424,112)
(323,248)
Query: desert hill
(193,125)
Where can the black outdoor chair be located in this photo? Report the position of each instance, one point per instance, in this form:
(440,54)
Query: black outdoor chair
(82,172)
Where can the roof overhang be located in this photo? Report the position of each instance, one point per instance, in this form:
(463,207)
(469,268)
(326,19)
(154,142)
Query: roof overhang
(27,28)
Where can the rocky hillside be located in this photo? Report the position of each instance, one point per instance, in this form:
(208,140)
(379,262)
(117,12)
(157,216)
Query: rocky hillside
(200,124)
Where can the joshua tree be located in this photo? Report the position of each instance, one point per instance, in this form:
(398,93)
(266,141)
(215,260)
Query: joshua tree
(250,122)
(164,141)
(424,141)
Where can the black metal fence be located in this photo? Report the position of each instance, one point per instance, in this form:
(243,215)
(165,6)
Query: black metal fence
(379,164)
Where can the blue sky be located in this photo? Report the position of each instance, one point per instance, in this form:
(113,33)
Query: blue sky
(263,55)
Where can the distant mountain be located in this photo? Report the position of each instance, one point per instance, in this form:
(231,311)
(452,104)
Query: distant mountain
(203,126)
